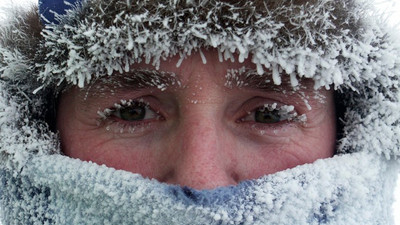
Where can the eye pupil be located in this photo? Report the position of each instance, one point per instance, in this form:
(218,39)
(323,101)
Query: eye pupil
(133,113)
(266,116)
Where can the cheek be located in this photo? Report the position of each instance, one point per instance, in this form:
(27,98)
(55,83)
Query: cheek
(306,146)
(117,153)
(272,158)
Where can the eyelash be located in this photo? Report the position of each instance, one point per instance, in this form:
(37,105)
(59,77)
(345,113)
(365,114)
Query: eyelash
(286,112)
(111,117)
(290,118)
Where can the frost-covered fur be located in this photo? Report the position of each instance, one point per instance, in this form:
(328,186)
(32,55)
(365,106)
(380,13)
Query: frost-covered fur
(336,43)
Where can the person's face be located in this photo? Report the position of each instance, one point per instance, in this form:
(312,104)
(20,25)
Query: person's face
(203,127)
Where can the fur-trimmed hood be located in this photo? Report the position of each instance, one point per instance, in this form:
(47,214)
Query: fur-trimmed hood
(339,44)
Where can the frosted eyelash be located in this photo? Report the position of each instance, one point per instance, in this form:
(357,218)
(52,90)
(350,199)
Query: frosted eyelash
(286,112)
(123,103)
(119,127)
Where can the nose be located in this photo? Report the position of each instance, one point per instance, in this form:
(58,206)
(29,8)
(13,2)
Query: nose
(204,160)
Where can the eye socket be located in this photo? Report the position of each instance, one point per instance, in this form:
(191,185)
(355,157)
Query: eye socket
(134,111)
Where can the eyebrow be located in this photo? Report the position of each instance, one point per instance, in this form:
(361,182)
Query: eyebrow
(248,78)
(134,80)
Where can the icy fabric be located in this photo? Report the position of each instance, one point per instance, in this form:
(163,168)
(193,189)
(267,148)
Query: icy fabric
(348,189)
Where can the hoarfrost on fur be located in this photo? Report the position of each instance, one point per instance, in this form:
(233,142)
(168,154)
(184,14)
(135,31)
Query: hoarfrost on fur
(16,127)
(336,63)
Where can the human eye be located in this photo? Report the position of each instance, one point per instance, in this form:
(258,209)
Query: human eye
(129,115)
(134,111)
(272,114)
(270,119)
(265,114)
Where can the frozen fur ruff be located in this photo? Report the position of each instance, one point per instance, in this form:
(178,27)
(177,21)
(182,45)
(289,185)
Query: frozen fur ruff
(335,43)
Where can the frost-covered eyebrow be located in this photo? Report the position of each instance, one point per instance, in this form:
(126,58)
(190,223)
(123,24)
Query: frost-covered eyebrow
(250,79)
(133,81)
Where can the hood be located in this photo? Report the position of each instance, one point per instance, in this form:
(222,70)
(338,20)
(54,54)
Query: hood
(338,44)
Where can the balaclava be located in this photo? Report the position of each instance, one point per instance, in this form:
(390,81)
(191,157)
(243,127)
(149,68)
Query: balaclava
(337,43)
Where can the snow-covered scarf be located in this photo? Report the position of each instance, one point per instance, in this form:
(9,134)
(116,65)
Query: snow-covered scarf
(336,43)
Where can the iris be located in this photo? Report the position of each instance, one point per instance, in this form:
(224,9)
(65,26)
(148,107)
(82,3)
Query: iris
(133,112)
(263,115)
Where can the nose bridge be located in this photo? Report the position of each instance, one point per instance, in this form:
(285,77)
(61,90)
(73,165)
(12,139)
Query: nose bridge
(202,163)
(200,137)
